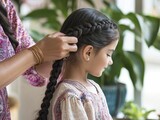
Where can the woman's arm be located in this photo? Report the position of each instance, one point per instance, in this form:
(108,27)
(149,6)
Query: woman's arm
(54,46)
(13,67)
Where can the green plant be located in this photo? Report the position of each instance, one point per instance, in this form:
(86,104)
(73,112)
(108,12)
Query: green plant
(142,26)
(134,112)
(145,28)
(51,16)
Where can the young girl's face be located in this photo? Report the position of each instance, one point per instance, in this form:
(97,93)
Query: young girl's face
(101,60)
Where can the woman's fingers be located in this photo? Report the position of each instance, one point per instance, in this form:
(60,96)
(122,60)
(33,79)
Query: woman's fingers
(72,47)
(57,34)
(70,39)
(57,46)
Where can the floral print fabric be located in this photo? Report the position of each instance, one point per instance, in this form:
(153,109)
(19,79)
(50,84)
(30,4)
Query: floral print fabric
(72,101)
(7,51)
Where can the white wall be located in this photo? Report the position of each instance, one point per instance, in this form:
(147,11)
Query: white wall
(29,98)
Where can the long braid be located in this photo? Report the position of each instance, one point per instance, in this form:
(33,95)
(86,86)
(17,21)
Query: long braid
(56,70)
(4,22)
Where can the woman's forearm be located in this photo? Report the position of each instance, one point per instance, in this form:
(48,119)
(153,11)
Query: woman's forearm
(13,67)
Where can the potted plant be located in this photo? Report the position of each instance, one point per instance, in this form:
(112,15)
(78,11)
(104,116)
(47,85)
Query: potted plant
(132,111)
(144,28)
(52,15)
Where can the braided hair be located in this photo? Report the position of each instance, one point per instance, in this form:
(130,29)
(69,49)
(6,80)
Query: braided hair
(4,22)
(50,90)
(91,28)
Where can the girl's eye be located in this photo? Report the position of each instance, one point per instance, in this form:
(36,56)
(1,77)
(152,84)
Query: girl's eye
(108,55)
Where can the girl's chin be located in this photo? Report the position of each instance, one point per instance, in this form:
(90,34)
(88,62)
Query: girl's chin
(99,74)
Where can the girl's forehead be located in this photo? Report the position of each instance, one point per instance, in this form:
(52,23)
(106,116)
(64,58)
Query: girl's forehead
(112,46)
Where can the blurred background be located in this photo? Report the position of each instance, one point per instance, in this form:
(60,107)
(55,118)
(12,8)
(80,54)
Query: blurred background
(138,68)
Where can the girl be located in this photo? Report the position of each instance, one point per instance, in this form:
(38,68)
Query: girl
(75,97)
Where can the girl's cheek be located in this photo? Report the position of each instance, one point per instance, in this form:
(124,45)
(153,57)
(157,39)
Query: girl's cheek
(107,62)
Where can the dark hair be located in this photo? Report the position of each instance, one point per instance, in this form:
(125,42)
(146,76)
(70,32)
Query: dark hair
(91,28)
(4,22)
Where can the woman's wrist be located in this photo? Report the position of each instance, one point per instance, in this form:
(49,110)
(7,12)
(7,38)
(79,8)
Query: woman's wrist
(37,53)
(22,60)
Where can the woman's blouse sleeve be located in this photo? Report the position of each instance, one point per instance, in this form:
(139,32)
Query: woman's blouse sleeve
(25,41)
(72,109)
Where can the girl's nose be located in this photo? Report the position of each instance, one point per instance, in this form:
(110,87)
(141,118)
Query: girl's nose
(110,62)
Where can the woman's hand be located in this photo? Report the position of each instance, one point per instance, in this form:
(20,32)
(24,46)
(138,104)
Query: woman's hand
(57,46)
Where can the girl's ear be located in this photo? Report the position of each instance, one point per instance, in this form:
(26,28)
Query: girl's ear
(87,51)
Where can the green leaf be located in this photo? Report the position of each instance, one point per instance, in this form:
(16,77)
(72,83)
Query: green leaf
(150,27)
(134,112)
(62,6)
(115,68)
(157,42)
(74,5)
(52,24)
(90,2)
(124,28)
(96,79)
(41,13)
(134,18)
(36,35)
(146,113)
(112,11)
(134,63)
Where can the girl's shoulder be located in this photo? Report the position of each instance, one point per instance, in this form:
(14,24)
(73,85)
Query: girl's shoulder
(94,83)
(65,92)
(65,89)
(71,84)
(66,84)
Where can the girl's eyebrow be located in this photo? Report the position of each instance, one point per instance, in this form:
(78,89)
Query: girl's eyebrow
(111,50)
